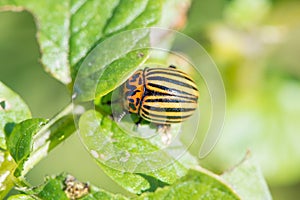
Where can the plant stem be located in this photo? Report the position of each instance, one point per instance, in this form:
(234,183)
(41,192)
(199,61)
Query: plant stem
(60,127)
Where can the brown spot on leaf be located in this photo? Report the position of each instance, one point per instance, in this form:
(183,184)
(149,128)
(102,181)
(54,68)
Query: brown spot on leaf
(140,54)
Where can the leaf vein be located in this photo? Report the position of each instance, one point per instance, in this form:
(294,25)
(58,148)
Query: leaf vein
(79,8)
(136,17)
(81,28)
(111,17)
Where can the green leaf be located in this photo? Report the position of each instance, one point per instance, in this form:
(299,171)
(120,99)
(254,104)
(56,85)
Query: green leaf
(114,75)
(134,183)
(29,144)
(20,141)
(67,35)
(121,155)
(7,167)
(63,186)
(110,63)
(195,185)
(20,197)
(32,139)
(59,128)
(12,110)
(248,181)
(99,194)
(125,14)
(53,189)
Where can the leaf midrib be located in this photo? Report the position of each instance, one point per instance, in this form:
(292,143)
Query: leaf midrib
(70,35)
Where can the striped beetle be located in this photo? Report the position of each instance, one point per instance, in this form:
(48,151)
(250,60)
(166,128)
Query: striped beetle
(161,95)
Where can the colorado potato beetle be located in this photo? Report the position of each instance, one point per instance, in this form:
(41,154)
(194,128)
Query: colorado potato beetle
(161,95)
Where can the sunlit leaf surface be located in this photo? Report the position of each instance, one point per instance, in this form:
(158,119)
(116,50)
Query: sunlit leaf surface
(12,110)
(68,34)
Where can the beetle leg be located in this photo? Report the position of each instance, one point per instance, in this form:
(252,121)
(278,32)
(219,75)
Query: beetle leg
(139,121)
(121,115)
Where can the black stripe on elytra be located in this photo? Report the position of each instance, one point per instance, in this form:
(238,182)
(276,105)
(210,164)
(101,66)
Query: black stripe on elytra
(158,95)
(170,89)
(169,73)
(159,109)
(164,116)
(159,121)
(166,69)
(165,100)
(169,80)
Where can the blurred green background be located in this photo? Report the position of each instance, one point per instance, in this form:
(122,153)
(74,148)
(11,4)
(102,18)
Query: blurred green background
(255,44)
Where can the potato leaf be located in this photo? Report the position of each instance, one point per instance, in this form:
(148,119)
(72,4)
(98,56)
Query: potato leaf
(132,162)
(12,110)
(67,35)
(65,187)
(20,141)
(195,185)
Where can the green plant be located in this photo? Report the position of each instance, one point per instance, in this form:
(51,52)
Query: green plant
(66,37)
